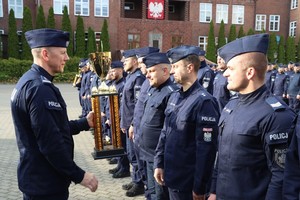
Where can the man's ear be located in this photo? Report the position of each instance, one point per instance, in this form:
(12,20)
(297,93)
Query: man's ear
(250,72)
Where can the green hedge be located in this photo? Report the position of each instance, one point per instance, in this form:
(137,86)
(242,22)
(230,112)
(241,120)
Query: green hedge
(12,69)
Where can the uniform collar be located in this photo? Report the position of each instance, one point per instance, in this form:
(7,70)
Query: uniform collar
(203,64)
(196,85)
(167,82)
(253,95)
(42,71)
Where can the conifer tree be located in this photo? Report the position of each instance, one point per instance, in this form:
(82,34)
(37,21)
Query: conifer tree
(1,52)
(91,46)
(281,51)
(298,51)
(290,52)
(250,32)
(26,26)
(40,19)
(104,37)
(13,40)
(51,19)
(66,26)
(211,45)
(221,37)
(241,32)
(272,50)
(232,33)
(80,38)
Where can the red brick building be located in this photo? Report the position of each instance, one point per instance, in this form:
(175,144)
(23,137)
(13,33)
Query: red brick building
(183,21)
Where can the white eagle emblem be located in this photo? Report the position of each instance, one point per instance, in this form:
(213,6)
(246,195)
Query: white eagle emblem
(156,9)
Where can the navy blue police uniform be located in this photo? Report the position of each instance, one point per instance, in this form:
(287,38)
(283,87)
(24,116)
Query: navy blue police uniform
(254,135)
(132,87)
(291,181)
(294,90)
(220,91)
(188,141)
(280,84)
(151,123)
(270,78)
(43,130)
(205,74)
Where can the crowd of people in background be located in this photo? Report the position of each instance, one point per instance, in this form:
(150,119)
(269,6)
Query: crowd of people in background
(175,106)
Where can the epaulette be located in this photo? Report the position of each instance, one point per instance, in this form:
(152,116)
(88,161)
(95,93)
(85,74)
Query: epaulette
(45,80)
(274,103)
(173,88)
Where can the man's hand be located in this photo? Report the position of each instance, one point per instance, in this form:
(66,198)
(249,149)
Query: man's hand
(123,130)
(298,96)
(159,176)
(130,133)
(212,197)
(90,119)
(90,181)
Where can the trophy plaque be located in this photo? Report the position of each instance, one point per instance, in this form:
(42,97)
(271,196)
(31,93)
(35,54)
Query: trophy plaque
(113,148)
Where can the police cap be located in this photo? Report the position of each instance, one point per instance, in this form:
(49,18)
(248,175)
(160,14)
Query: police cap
(247,44)
(142,52)
(178,53)
(202,53)
(116,64)
(155,59)
(83,62)
(129,53)
(47,37)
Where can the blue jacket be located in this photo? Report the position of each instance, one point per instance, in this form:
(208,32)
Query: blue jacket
(131,93)
(280,85)
(206,77)
(294,85)
(220,91)
(188,141)
(44,135)
(253,138)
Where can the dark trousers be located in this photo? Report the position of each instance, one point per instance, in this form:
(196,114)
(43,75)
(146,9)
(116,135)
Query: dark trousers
(61,196)
(294,103)
(180,195)
(157,192)
(123,162)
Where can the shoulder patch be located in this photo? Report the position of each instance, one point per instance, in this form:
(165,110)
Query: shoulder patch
(274,103)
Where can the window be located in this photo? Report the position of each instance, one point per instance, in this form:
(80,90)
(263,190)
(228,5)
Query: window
(237,14)
(1,8)
(293,26)
(58,6)
(294,4)
(129,6)
(274,22)
(82,7)
(171,9)
(17,6)
(102,8)
(203,42)
(205,12)
(177,40)
(260,22)
(222,13)
(133,41)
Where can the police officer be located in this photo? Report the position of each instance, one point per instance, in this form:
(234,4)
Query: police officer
(290,69)
(85,88)
(280,83)
(43,130)
(158,74)
(291,181)
(270,76)
(254,127)
(187,145)
(132,87)
(205,74)
(220,91)
(293,93)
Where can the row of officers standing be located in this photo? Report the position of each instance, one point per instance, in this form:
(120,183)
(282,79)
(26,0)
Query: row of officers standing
(192,132)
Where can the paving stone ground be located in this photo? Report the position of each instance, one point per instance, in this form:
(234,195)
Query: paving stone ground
(109,188)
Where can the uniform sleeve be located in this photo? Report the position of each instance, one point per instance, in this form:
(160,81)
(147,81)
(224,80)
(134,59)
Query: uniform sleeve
(137,87)
(51,129)
(206,141)
(277,131)
(160,149)
(291,182)
(78,125)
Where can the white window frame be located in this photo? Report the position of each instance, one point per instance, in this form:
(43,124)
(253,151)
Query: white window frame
(294,4)
(18,9)
(82,5)
(101,5)
(260,22)
(58,6)
(203,44)
(238,14)
(222,13)
(293,27)
(1,8)
(205,12)
(274,24)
